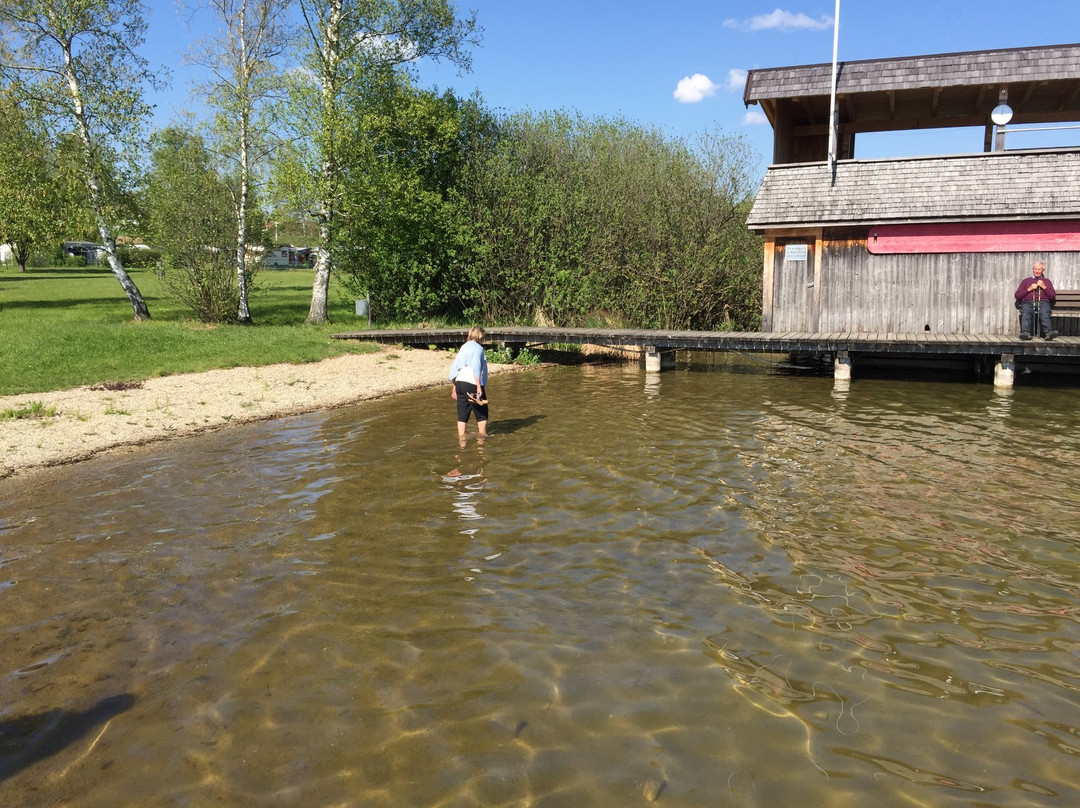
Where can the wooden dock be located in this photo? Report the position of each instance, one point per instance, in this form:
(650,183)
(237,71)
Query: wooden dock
(751,341)
(846,348)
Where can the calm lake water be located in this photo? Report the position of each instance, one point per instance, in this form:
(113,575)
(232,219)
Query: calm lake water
(714,587)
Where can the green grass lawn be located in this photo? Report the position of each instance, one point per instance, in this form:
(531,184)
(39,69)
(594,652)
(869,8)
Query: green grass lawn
(62,328)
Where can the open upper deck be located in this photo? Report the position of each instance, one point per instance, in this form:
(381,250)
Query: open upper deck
(1041,84)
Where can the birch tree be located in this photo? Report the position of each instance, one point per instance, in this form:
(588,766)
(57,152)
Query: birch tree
(242,59)
(344,39)
(74,63)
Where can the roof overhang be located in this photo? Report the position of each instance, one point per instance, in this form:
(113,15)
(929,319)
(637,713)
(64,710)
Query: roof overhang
(923,92)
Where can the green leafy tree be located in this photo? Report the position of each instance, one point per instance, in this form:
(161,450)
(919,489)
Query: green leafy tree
(242,59)
(32,204)
(400,209)
(74,63)
(346,40)
(188,213)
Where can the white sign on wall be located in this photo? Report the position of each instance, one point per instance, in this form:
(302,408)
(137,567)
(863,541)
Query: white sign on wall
(795,252)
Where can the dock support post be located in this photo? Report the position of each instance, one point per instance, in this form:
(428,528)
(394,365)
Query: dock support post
(842,367)
(655,361)
(1005,372)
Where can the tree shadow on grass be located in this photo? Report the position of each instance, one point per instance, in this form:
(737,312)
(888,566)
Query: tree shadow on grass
(59,304)
(55,274)
(29,739)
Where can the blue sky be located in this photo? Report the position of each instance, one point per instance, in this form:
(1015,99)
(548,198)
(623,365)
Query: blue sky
(679,66)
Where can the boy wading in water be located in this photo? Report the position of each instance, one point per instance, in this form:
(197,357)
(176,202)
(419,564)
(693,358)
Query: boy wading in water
(469,375)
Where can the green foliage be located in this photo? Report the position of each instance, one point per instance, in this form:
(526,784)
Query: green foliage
(447,212)
(33,410)
(32,204)
(188,211)
(351,47)
(500,356)
(400,215)
(74,63)
(505,356)
(584,215)
(526,357)
(140,258)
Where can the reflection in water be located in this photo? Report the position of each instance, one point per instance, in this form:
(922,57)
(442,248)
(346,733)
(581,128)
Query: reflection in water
(1000,405)
(751,589)
(466,481)
(652,384)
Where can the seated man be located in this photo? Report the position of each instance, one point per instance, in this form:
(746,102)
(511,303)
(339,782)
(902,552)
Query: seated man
(1035,298)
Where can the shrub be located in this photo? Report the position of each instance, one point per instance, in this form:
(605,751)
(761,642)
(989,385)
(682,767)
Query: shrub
(205,283)
(139,258)
(500,356)
(526,357)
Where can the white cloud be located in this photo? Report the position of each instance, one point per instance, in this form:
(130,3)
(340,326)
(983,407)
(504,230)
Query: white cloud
(692,89)
(781,20)
(754,118)
(736,80)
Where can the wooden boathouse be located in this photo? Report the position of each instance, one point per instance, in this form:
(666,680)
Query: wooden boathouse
(916,244)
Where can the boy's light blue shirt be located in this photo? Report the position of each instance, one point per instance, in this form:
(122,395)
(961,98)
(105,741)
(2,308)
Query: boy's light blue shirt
(471,356)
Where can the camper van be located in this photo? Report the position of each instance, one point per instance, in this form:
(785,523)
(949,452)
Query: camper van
(86,249)
(289,257)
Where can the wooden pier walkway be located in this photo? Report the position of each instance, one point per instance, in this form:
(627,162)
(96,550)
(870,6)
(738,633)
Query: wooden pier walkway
(1001,352)
(755,342)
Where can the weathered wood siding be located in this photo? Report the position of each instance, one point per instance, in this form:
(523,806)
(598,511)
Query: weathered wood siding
(853,290)
(793,289)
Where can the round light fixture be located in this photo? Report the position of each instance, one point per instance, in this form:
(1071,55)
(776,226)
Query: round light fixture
(1002,114)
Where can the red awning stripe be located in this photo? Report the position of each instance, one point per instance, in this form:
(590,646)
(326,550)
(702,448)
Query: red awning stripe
(961,237)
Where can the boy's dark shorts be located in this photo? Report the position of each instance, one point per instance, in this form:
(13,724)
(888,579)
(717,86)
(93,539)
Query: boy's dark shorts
(466,407)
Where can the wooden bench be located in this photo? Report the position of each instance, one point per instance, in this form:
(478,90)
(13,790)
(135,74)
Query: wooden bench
(1065,317)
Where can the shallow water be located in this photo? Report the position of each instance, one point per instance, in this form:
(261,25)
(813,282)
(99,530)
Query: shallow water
(719,586)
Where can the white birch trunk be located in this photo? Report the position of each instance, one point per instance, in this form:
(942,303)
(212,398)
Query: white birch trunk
(329,178)
(243,315)
(93,185)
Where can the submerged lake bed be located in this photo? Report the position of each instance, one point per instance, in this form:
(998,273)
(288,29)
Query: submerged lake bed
(719,585)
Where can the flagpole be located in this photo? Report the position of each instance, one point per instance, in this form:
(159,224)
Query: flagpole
(833,115)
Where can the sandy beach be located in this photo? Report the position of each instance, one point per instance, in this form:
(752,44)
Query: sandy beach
(86,421)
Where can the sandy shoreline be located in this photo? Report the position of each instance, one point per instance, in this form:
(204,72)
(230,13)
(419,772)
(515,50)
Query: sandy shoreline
(89,421)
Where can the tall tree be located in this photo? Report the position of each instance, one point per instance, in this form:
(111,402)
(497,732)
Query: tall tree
(406,149)
(32,205)
(242,59)
(187,211)
(75,61)
(345,39)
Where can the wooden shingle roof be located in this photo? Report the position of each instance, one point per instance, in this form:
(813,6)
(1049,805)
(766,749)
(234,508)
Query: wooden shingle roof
(988,186)
(915,92)
(1046,63)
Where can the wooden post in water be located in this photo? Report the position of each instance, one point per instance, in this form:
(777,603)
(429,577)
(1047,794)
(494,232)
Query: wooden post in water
(842,367)
(656,361)
(1005,372)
